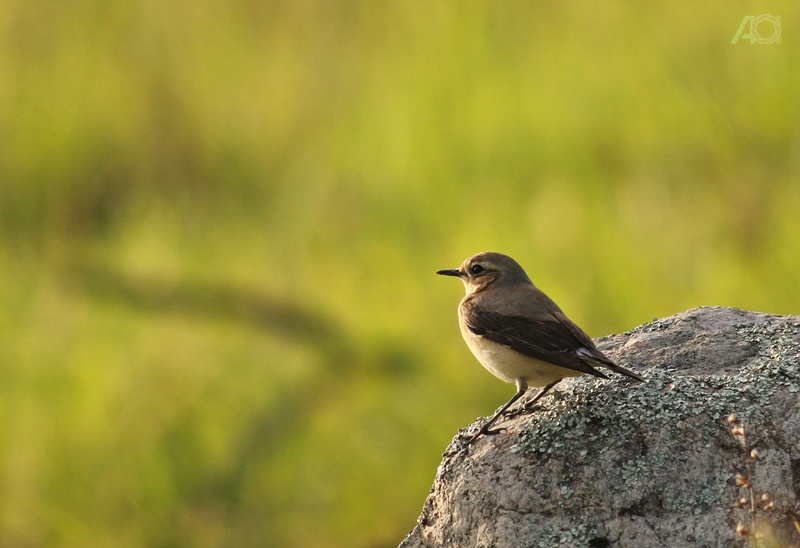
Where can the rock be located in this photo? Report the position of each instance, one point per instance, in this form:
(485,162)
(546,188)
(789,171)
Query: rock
(624,464)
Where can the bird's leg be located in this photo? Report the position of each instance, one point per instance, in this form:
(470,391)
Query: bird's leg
(528,406)
(522,386)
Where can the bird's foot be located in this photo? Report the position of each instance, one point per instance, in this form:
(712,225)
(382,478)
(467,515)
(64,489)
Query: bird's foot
(490,432)
(484,431)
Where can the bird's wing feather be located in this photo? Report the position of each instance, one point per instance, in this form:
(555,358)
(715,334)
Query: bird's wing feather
(588,350)
(548,339)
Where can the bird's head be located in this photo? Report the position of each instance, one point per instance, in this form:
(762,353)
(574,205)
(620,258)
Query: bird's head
(484,269)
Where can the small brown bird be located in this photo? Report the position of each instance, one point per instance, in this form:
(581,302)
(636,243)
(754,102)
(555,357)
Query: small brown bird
(518,333)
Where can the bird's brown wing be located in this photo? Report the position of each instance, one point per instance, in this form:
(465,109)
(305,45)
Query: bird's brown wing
(590,352)
(547,339)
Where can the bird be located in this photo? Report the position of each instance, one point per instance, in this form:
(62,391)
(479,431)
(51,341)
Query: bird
(518,333)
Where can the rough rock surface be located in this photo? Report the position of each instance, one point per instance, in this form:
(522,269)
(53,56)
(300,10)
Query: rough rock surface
(623,464)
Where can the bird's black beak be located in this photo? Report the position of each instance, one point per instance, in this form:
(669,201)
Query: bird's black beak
(452,272)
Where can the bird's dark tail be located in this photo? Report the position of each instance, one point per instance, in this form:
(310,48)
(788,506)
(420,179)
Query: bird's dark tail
(599,358)
(619,369)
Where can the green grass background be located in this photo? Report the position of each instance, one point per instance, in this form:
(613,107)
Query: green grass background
(219,224)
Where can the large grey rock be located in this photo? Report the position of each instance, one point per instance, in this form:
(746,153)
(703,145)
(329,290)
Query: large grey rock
(623,464)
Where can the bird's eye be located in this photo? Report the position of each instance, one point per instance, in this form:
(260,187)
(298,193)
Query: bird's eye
(476,269)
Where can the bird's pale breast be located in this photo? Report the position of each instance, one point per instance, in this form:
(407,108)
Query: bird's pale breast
(509,365)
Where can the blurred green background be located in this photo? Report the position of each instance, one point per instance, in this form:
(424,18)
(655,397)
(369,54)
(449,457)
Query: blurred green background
(219,322)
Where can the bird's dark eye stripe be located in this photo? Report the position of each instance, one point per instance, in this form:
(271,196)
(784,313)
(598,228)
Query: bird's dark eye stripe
(476,269)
